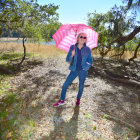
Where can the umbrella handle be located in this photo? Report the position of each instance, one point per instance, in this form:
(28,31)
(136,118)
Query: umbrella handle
(75,38)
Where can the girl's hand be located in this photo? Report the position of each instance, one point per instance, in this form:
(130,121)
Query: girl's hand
(73,53)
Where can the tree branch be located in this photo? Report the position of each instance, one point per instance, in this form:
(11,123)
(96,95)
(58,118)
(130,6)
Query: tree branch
(121,53)
(122,40)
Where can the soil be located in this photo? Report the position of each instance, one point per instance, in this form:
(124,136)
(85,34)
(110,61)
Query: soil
(110,104)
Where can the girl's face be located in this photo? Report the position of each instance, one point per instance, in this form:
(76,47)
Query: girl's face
(82,38)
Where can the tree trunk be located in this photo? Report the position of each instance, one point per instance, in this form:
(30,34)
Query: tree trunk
(123,39)
(24,52)
(135,53)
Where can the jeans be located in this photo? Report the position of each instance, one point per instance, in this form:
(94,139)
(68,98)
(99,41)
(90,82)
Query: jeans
(82,74)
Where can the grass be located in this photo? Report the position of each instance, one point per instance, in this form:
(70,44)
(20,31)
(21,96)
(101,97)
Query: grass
(11,122)
(3,76)
(8,114)
(4,84)
(5,58)
(127,54)
(10,103)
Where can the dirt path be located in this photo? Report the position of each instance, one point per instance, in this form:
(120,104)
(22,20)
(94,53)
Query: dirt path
(108,110)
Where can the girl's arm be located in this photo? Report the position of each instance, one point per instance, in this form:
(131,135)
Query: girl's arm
(69,55)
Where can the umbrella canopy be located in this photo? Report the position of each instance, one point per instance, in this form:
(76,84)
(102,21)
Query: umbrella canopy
(67,34)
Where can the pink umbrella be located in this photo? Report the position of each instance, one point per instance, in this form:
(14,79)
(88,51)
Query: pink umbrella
(66,36)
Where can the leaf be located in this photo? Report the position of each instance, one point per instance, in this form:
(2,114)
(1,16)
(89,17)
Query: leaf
(88,116)
(94,127)
(10,134)
(105,116)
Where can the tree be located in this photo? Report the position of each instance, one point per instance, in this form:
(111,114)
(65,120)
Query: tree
(29,19)
(115,29)
(132,4)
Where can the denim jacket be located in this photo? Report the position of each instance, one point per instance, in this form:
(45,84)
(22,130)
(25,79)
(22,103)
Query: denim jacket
(86,58)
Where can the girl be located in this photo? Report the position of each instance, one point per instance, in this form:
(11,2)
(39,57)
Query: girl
(80,59)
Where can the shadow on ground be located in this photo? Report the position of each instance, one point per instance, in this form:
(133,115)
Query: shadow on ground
(121,107)
(119,71)
(62,129)
(11,68)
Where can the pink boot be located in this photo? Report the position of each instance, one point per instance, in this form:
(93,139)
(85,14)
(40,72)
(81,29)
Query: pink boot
(59,103)
(78,102)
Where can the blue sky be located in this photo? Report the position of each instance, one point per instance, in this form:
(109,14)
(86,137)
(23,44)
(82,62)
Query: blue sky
(75,11)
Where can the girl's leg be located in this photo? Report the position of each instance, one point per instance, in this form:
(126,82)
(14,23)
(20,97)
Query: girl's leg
(82,77)
(69,80)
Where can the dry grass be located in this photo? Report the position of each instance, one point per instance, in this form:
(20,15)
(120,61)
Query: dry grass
(42,50)
(51,50)
(126,55)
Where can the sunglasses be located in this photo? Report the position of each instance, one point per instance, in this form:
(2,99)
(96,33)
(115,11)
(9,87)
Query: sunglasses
(83,37)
